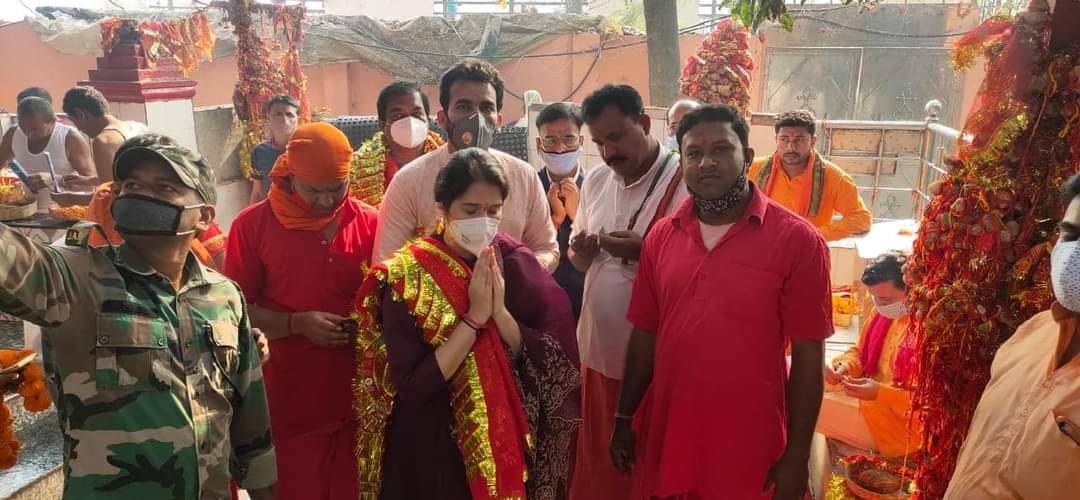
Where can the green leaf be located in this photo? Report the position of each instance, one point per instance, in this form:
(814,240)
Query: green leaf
(787,22)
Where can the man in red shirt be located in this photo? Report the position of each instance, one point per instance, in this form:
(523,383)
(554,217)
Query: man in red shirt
(300,257)
(723,286)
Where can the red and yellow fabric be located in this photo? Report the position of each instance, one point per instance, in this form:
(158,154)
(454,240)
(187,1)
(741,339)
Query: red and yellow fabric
(821,191)
(889,417)
(210,244)
(372,168)
(488,417)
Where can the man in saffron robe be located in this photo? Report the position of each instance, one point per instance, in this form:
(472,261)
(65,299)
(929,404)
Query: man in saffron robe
(300,257)
(404,135)
(798,178)
(467,386)
(872,409)
(724,286)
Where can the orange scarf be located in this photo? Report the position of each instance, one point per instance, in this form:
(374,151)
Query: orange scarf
(100,211)
(810,200)
(316,152)
(488,415)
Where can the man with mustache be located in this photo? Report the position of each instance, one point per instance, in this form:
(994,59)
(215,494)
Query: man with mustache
(798,178)
(621,200)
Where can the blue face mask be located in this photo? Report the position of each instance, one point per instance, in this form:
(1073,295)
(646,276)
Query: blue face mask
(139,215)
(561,164)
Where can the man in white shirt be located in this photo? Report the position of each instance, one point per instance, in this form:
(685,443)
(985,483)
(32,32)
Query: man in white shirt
(471,95)
(640,182)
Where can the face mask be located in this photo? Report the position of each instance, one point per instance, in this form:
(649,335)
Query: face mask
(139,215)
(561,164)
(409,132)
(671,143)
(727,200)
(473,131)
(892,311)
(473,234)
(1065,274)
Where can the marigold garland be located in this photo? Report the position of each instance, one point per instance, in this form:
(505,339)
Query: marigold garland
(35,398)
(720,71)
(262,75)
(980,264)
(186,41)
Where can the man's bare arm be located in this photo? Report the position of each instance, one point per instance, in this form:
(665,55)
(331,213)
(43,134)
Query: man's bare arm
(78,153)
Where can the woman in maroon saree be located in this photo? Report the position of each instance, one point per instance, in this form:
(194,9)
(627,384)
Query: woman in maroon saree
(468,385)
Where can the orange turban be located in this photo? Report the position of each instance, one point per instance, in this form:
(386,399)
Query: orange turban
(316,152)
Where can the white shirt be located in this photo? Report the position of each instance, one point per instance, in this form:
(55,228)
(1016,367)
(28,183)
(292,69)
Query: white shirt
(37,164)
(409,204)
(607,204)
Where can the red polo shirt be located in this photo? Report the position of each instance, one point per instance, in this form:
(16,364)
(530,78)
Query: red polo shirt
(714,420)
(308,387)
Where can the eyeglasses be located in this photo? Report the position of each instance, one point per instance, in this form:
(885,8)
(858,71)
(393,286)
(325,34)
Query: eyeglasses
(566,140)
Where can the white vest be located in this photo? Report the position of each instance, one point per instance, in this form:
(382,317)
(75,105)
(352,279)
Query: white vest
(36,163)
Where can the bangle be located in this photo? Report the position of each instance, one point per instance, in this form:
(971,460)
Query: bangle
(469,323)
(288,324)
(620,416)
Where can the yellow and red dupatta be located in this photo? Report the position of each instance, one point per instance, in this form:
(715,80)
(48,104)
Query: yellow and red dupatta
(489,418)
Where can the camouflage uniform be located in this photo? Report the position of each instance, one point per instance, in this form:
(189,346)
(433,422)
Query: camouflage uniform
(159,393)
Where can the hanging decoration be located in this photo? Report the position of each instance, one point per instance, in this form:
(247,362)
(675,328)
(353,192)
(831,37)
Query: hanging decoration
(35,398)
(265,67)
(980,265)
(719,73)
(186,41)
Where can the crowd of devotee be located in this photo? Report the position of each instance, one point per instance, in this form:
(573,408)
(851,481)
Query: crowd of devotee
(426,317)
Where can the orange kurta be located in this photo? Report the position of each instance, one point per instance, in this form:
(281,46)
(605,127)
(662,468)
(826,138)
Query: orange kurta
(839,195)
(888,415)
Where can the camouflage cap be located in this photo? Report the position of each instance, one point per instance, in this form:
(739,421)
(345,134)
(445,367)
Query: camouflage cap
(191,167)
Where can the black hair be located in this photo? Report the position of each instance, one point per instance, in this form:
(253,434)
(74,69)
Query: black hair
(85,99)
(886,268)
(624,97)
(33,92)
(465,168)
(798,118)
(396,89)
(721,113)
(559,111)
(36,106)
(1071,189)
(473,70)
(281,99)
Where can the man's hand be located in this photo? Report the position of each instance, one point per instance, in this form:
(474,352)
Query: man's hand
(40,181)
(623,441)
(625,245)
(788,478)
(865,389)
(585,245)
(558,209)
(9,382)
(263,345)
(570,197)
(834,377)
(262,494)
(77,182)
(321,328)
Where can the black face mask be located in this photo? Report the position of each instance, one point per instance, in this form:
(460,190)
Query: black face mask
(473,131)
(139,215)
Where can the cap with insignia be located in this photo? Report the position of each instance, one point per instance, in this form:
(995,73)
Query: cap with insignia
(191,167)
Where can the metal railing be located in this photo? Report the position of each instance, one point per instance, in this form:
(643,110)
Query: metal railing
(450,9)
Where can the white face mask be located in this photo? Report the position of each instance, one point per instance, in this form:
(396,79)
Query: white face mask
(561,164)
(1065,274)
(892,311)
(473,234)
(671,143)
(409,132)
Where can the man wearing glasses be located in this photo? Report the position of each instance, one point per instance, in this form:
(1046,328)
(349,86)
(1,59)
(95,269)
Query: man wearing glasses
(798,178)
(559,142)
